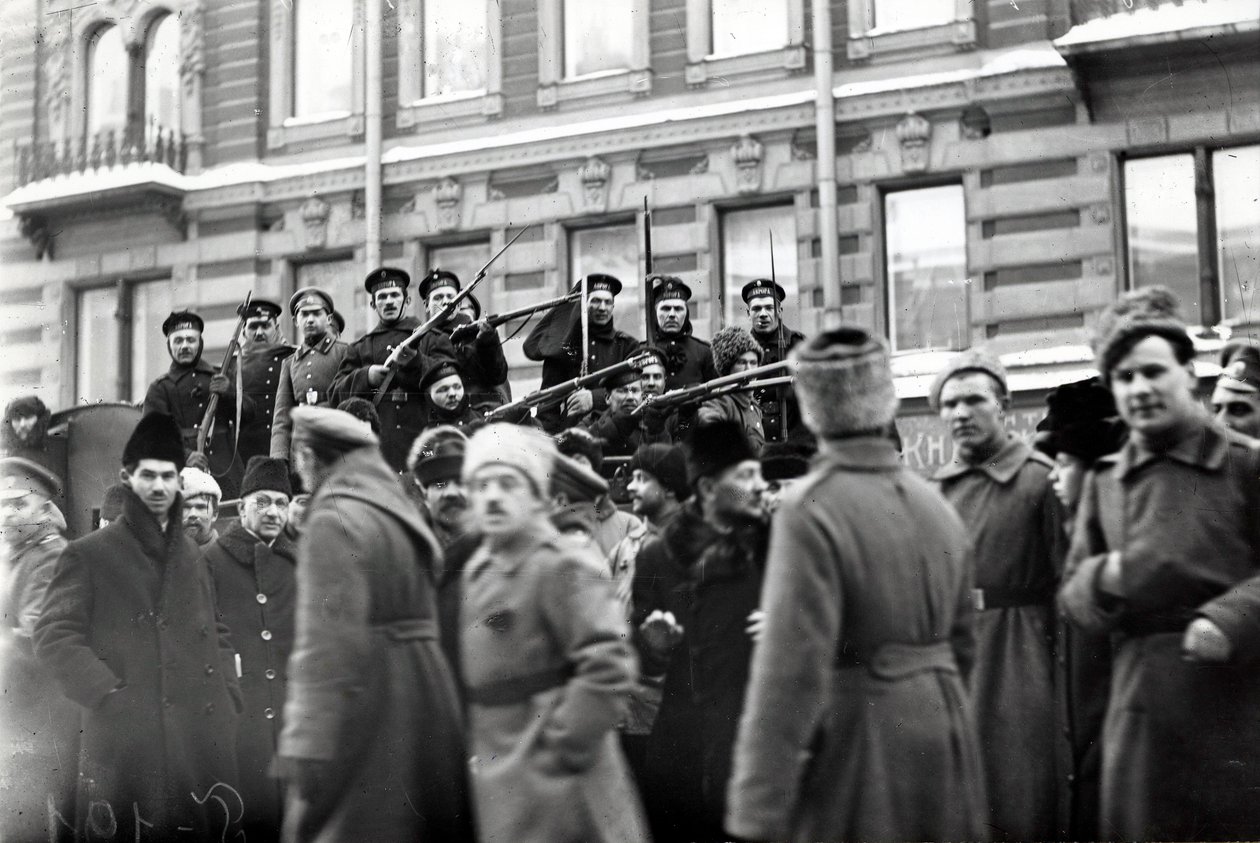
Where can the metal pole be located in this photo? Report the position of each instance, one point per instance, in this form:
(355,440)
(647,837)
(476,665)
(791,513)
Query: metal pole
(372,133)
(825,129)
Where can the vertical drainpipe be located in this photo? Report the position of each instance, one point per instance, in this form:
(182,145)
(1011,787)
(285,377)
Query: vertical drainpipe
(372,134)
(825,131)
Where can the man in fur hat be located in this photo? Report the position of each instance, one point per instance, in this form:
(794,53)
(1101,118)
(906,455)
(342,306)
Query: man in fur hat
(735,350)
(764,300)
(694,589)
(306,376)
(1166,560)
(688,359)
(25,429)
(202,496)
(255,589)
(478,349)
(262,364)
(1001,488)
(363,372)
(857,724)
(1236,398)
(184,390)
(129,632)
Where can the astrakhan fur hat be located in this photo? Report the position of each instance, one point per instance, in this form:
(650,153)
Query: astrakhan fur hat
(728,344)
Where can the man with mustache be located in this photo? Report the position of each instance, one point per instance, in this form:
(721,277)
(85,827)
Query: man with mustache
(306,376)
(480,354)
(619,428)
(252,568)
(1165,560)
(183,391)
(1001,488)
(201,505)
(363,371)
(262,365)
(764,299)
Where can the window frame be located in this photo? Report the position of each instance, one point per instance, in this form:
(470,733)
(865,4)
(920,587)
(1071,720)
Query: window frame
(124,385)
(568,268)
(958,35)
(464,108)
(791,310)
(555,90)
(702,65)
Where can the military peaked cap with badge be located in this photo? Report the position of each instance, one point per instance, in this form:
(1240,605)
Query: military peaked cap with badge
(437,278)
(310,297)
(437,454)
(1240,367)
(180,320)
(762,287)
(20,477)
(262,309)
(386,276)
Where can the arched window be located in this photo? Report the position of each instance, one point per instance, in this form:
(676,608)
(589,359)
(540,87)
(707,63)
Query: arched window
(161,75)
(107,81)
(323,57)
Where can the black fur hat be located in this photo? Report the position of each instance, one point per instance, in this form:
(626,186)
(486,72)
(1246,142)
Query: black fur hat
(581,442)
(266,474)
(1082,421)
(713,448)
(156,437)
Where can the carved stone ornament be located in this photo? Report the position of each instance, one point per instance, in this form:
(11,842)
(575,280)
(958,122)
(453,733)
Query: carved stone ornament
(449,196)
(55,46)
(314,212)
(35,229)
(914,133)
(595,175)
(1100,214)
(192,37)
(974,123)
(747,152)
(1103,265)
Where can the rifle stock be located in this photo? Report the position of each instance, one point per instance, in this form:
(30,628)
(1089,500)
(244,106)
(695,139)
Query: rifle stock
(557,393)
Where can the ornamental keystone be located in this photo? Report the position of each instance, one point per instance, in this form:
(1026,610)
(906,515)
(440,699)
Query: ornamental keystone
(748,153)
(914,133)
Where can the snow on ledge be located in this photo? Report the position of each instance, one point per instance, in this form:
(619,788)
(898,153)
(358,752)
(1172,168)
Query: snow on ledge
(93,181)
(1192,14)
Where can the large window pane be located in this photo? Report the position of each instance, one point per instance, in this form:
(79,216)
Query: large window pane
(748,26)
(343,280)
(107,81)
(613,250)
(925,251)
(150,304)
(898,15)
(464,260)
(323,63)
(456,46)
(96,352)
(161,75)
(598,36)
(1237,176)
(746,255)
(1161,227)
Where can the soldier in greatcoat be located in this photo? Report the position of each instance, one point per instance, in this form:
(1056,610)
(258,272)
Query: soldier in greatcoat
(184,391)
(858,724)
(764,300)
(252,567)
(306,376)
(1001,489)
(372,746)
(478,349)
(545,657)
(1165,559)
(262,363)
(363,371)
(128,630)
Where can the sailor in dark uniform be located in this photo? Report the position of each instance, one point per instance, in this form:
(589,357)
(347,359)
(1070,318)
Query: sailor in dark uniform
(478,349)
(306,377)
(764,299)
(688,359)
(262,356)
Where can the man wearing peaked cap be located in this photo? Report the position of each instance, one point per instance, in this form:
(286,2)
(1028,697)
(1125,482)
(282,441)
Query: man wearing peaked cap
(478,349)
(363,371)
(586,449)
(1236,398)
(132,647)
(764,300)
(184,391)
(688,359)
(262,370)
(253,570)
(306,376)
(867,612)
(364,542)
(557,341)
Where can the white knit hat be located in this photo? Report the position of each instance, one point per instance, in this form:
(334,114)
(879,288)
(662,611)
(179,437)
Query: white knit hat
(523,448)
(197,482)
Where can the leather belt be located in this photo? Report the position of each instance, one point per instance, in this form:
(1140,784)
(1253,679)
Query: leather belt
(1009,598)
(899,661)
(411,629)
(518,689)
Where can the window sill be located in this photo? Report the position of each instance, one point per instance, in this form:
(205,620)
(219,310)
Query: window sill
(790,59)
(946,37)
(297,130)
(617,85)
(450,110)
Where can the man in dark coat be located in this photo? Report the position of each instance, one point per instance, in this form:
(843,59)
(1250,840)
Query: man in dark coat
(688,359)
(445,396)
(1166,559)
(695,589)
(262,362)
(363,371)
(184,390)
(306,376)
(255,588)
(128,631)
(478,349)
(557,342)
(764,300)
(1000,487)
(858,724)
(372,747)
(619,428)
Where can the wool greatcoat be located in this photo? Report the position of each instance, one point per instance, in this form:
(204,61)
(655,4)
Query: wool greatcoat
(605,346)
(255,588)
(306,377)
(261,371)
(1181,738)
(1014,521)
(857,724)
(402,409)
(370,693)
(129,633)
(547,667)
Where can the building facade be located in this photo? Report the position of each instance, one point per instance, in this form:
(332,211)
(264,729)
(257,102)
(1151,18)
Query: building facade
(1004,168)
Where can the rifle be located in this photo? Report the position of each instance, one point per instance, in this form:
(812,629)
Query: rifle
(497,319)
(689,394)
(391,362)
(778,318)
(557,393)
(649,312)
(207,420)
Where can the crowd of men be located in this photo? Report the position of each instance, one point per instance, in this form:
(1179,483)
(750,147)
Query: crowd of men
(432,620)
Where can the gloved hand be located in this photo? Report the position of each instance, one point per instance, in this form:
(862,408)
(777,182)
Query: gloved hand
(220,385)
(1079,597)
(654,419)
(579,403)
(1205,642)
(661,631)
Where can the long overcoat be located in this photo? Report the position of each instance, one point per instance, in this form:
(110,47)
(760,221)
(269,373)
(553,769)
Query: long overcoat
(1015,525)
(402,409)
(255,587)
(131,608)
(547,666)
(306,377)
(370,693)
(1181,738)
(261,370)
(857,724)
